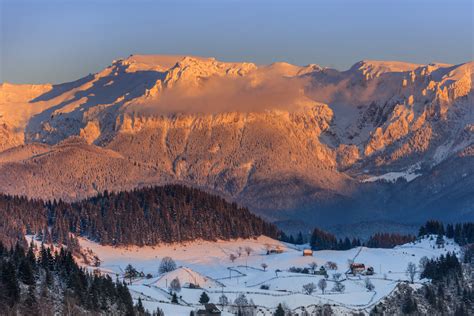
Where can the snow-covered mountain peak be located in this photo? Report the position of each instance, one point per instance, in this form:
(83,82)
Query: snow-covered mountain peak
(238,127)
(374,68)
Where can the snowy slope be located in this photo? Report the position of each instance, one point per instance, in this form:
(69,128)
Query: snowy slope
(209,262)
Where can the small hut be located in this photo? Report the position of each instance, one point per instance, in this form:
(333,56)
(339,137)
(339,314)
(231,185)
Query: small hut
(307,252)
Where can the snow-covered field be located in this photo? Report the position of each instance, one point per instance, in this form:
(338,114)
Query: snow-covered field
(209,265)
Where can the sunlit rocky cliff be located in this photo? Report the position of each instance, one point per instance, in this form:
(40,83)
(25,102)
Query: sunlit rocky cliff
(382,140)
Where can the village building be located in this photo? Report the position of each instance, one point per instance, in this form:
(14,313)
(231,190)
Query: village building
(357,268)
(277,249)
(307,253)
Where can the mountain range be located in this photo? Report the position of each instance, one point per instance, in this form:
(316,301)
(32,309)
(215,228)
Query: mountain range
(299,145)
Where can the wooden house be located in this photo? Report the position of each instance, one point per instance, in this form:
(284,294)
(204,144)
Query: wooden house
(357,268)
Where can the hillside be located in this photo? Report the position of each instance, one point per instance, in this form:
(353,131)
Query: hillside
(202,261)
(287,141)
(147,216)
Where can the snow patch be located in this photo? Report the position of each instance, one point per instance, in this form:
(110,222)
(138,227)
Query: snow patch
(409,175)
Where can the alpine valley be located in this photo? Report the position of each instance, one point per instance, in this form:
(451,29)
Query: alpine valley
(386,142)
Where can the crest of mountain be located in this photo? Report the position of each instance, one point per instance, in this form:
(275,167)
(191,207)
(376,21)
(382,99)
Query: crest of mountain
(288,141)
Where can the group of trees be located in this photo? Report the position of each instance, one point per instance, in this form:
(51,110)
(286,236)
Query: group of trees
(167,265)
(463,233)
(147,216)
(310,287)
(443,267)
(240,306)
(450,291)
(299,240)
(54,283)
(322,240)
(171,213)
(387,240)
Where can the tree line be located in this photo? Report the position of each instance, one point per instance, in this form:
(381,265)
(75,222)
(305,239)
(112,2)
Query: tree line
(146,216)
(462,233)
(322,240)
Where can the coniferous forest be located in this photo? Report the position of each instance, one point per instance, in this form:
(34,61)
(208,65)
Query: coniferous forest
(39,282)
(147,216)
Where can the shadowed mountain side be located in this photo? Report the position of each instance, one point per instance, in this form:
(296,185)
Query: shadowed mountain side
(58,89)
(448,186)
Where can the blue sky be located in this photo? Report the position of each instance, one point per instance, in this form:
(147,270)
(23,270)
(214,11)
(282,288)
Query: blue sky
(57,41)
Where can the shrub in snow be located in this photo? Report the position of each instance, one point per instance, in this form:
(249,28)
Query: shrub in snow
(336,276)
(264,287)
(369,285)
(339,287)
(167,265)
(298,270)
(309,288)
(174,299)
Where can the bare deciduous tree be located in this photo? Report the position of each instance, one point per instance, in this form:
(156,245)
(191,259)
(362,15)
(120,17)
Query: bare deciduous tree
(175,285)
(167,265)
(336,276)
(309,288)
(339,287)
(331,265)
(313,265)
(223,300)
(264,266)
(411,271)
(322,284)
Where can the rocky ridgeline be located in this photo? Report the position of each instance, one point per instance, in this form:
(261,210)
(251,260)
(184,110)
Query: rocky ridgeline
(248,132)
